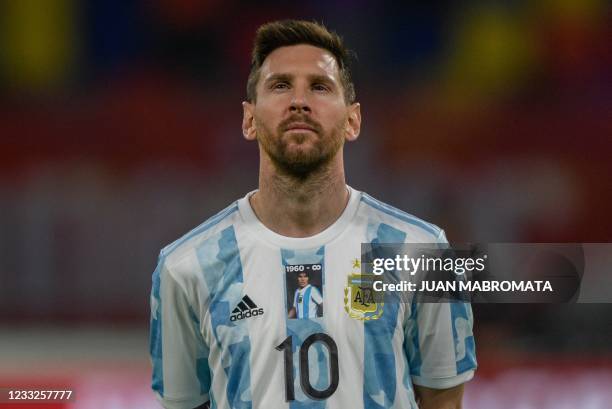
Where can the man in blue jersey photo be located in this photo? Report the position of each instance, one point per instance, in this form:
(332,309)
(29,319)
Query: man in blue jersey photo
(221,334)
(307,299)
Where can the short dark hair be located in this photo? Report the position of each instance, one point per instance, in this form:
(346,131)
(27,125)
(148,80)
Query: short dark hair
(283,33)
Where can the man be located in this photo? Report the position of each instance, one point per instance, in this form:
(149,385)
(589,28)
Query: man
(307,300)
(219,327)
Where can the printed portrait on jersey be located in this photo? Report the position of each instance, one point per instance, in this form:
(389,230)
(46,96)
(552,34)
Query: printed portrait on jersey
(304,291)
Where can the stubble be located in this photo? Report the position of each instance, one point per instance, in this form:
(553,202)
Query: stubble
(301,162)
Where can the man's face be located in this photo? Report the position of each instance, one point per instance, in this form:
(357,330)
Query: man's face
(300,117)
(302,280)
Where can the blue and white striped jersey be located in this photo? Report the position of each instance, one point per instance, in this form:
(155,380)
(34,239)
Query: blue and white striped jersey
(220,328)
(306,301)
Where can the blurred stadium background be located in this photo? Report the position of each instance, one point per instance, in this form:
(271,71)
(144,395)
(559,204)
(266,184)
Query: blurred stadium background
(120,131)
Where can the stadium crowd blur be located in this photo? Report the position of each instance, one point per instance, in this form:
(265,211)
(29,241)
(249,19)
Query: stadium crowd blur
(120,129)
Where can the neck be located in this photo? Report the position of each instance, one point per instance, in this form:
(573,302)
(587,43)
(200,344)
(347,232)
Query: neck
(300,206)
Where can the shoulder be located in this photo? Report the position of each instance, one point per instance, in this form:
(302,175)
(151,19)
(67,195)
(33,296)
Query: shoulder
(416,229)
(175,252)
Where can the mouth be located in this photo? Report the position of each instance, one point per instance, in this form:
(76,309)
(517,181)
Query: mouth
(299,127)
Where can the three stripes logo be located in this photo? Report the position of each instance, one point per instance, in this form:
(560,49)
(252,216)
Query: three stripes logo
(246,308)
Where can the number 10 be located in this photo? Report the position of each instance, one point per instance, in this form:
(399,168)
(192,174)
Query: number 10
(287,346)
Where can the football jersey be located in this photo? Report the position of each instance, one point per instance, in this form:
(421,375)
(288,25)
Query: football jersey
(306,301)
(220,329)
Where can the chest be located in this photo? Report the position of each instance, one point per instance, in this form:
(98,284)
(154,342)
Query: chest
(282,291)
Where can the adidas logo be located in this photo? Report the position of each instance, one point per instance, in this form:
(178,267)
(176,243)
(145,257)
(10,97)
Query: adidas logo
(246,308)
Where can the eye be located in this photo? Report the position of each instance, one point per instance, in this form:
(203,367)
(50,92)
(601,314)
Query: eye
(280,85)
(320,87)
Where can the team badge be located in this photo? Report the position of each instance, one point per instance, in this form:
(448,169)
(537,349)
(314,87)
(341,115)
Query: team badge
(360,299)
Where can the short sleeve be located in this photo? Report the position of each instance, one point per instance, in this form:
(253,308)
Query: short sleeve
(316,296)
(179,356)
(295,297)
(439,342)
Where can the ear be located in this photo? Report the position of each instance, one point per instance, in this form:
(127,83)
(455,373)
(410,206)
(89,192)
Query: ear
(248,121)
(353,126)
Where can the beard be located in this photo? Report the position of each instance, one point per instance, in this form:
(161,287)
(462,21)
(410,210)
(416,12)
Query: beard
(309,153)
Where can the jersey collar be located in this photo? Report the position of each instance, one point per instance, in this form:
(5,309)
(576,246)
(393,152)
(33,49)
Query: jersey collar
(319,239)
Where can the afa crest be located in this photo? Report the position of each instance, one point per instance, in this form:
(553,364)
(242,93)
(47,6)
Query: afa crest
(360,298)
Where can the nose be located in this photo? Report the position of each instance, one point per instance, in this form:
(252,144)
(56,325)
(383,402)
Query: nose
(299,103)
